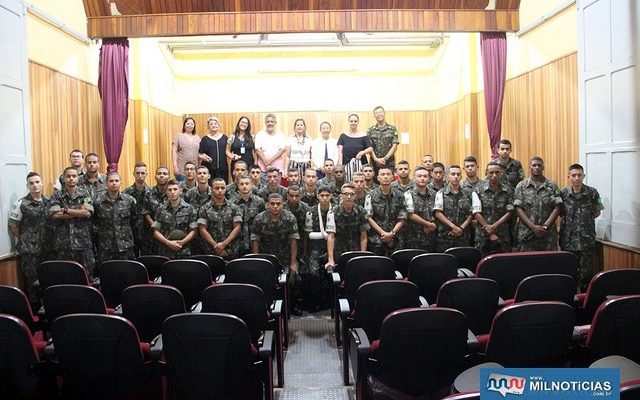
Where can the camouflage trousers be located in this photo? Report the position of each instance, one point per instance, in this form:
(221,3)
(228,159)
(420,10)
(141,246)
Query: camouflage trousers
(586,267)
(29,267)
(106,255)
(84,257)
(315,286)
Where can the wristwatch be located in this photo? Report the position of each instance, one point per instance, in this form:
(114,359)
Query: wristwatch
(65,210)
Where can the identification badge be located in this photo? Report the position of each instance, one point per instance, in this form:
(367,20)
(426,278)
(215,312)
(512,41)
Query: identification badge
(242,150)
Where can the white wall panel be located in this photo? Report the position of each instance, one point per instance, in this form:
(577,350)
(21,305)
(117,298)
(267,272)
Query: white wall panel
(598,167)
(625,105)
(596,17)
(624,32)
(598,110)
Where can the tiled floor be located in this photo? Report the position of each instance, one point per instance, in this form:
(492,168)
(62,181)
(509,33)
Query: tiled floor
(312,362)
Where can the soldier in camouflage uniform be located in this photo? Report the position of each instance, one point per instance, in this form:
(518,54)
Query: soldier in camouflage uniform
(404,182)
(538,203)
(114,212)
(190,180)
(93,182)
(200,194)
(175,224)
(239,170)
(76,160)
(319,222)
(513,171)
(220,223)
(437,177)
(299,210)
(420,232)
(275,231)
(358,181)
(329,179)
(293,177)
(472,180)
(493,209)
(273,185)
(309,193)
(387,215)
(71,209)
(29,222)
(257,179)
(251,205)
(385,141)
(427,163)
(156,197)
(339,173)
(581,206)
(353,223)
(369,175)
(140,192)
(452,208)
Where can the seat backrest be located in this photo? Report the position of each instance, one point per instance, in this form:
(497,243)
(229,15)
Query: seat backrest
(208,354)
(18,360)
(509,269)
(546,287)
(402,258)
(615,329)
(245,301)
(476,298)
(468,257)
(60,272)
(630,390)
(254,271)
(269,257)
(464,396)
(59,300)
(360,270)
(215,263)
(117,275)
(147,306)
(531,334)
(190,277)
(377,299)
(14,302)
(100,355)
(422,349)
(609,283)
(344,258)
(153,263)
(429,271)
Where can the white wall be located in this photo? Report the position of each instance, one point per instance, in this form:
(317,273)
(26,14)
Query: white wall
(608,57)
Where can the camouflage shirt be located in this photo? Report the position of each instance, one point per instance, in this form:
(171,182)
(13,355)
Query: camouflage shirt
(513,172)
(253,206)
(492,205)
(469,186)
(397,185)
(185,187)
(265,192)
(310,198)
(274,237)
(432,185)
(197,198)
(74,233)
(36,229)
(168,219)
(538,202)
(219,221)
(349,225)
(422,206)
(155,199)
(94,188)
(113,221)
(385,210)
(232,191)
(456,207)
(578,228)
(383,138)
(300,212)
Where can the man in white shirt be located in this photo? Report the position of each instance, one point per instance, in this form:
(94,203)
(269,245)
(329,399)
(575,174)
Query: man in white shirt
(323,148)
(270,145)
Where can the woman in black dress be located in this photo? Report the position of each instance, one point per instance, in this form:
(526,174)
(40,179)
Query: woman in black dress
(212,151)
(353,147)
(241,144)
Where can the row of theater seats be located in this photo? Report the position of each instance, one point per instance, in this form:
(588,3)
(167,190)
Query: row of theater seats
(396,343)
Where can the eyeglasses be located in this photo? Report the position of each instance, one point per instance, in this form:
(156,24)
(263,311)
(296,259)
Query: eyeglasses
(348,194)
(255,172)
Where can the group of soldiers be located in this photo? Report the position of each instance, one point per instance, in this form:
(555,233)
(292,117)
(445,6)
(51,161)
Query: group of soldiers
(308,223)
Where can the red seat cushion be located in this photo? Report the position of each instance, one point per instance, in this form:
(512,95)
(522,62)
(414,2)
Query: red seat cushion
(39,346)
(482,342)
(375,345)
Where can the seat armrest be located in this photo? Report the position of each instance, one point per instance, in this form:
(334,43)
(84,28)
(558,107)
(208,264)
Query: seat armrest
(580,333)
(472,342)
(500,302)
(155,348)
(335,279)
(118,310)
(465,273)
(282,278)
(265,345)
(220,279)
(49,351)
(158,280)
(42,314)
(423,302)
(276,309)
(345,309)
(359,351)
(360,341)
(398,275)
(196,308)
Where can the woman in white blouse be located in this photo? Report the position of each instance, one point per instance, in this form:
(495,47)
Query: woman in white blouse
(297,153)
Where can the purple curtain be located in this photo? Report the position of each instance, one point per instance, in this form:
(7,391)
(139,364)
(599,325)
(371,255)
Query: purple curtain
(493,46)
(114,90)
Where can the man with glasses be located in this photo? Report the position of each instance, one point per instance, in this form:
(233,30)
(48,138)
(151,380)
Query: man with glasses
(352,225)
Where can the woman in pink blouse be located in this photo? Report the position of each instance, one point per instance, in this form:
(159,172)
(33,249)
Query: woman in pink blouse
(185,147)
